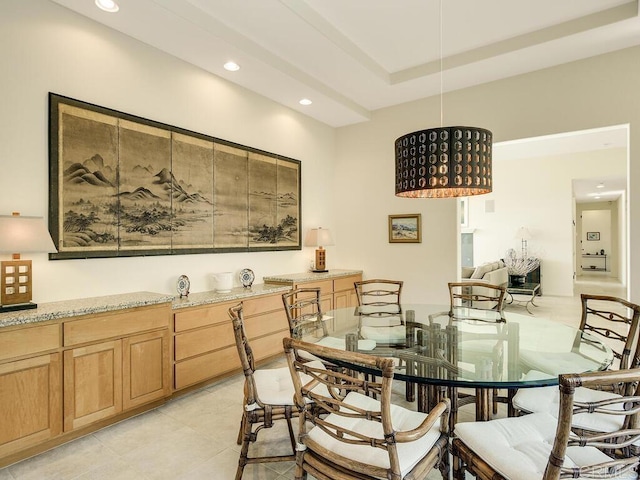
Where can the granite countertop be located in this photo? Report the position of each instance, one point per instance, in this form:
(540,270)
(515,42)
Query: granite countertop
(82,306)
(310,276)
(238,293)
(108,303)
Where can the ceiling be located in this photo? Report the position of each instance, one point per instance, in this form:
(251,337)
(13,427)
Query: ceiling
(603,188)
(351,57)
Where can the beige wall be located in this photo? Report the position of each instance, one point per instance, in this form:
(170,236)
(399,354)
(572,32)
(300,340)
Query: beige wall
(537,193)
(596,92)
(45,47)
(348,173)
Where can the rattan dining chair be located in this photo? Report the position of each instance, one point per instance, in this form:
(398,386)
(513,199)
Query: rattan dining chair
(477,300)
(303,307)
(268,397)
(481,302)
(346,434)
(614,319)
(542,446)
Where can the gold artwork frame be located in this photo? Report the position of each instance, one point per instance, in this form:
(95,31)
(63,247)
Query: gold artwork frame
(405,228)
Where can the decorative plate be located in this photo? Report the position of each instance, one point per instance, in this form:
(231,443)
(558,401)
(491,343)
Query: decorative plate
(247,277)
(183,285)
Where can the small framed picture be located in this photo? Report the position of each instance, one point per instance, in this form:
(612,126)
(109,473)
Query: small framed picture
(405,228)
(593,236)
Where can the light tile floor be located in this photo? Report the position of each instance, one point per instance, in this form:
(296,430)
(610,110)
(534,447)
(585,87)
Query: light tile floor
(194,437)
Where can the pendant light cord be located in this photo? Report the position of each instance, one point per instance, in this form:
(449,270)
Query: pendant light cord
(441,108)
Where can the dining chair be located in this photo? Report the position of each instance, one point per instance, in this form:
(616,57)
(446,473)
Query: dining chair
(542,446)
(346,434)
(613,319)
(303,307)
(478,300)
(268,397)
(381,311)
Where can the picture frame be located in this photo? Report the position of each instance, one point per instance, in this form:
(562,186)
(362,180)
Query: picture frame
(593,236)
(122,185)
(406,228)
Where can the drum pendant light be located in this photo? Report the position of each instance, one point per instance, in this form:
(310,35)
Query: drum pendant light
(444,162)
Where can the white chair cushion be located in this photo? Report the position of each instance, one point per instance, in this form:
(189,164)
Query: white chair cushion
(519,447)
(275,386)
(340,344)
(408,453)
(547,400)
(555,363)
(394,334)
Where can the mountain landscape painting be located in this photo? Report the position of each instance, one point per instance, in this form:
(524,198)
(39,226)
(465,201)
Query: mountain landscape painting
(89,169)
(124,185)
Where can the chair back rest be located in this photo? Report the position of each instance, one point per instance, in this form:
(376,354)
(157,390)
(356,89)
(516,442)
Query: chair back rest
(619,444)
(614,319)
(477,301)
(304,313)
(244,353)
(379,297)
(347,400)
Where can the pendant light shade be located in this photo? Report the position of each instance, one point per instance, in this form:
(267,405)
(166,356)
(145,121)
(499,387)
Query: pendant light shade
(444,162)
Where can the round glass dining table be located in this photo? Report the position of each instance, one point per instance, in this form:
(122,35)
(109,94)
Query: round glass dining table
(440,352)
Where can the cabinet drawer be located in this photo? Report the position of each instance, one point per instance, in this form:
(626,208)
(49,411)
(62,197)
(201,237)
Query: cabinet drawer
(204,340)
(346,283)
(268,346)
(207,366)
(326,286)
(267,303)
(27,341)
(266,324)
(200,317)
(101,327)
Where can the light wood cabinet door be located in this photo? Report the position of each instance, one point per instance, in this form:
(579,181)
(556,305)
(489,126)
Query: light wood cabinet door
(30,402)
(145,367)
(92,383)
(345,299)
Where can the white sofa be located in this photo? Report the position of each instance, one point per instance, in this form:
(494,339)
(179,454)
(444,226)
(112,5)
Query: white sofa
(495,273)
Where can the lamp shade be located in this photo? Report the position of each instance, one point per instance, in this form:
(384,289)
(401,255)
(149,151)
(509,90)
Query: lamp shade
(21,234)
(444,162)
(318,237)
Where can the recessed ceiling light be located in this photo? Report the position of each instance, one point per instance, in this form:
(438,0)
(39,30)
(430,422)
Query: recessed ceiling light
(597,197)
(600,185)
(107,5)
(232,66)
(305,101)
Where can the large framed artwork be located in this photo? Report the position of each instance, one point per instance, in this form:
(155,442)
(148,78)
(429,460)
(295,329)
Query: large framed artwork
(122,185)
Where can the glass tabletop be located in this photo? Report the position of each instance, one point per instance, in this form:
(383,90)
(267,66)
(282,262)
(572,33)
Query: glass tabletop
(470,350)
(523,287)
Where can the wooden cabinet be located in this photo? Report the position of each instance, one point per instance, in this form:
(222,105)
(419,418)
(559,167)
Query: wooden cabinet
(30,386)
(336,289)
(106,378)
(92,383)
(204,344)
(30,402)
(146,371)
(344,292)
(81,371)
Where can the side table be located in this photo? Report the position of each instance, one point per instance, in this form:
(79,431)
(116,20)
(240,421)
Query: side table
(529,289)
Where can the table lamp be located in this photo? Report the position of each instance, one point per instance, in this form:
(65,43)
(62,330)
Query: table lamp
(24,235)
(317,237)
